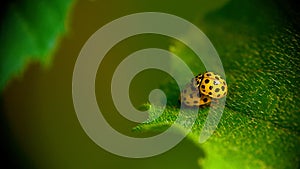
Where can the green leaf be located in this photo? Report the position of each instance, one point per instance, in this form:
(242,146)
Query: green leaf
(30,31)
(259,47)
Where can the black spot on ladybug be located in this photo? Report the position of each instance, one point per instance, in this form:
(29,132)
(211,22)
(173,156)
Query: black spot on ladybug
(224,83)
(203,86)
(210,87)
(205,99)
(195,101)
(217,78)
(223,88)
(203,90)
(191,96)
(209,93)
(206,81)
(187,102)
(218,95)
(208,74)
(217,90)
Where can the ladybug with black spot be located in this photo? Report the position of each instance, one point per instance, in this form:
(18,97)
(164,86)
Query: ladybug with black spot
(202,89)
(213,85)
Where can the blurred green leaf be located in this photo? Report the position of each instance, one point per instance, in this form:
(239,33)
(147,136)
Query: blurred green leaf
(30,30)
(259,47)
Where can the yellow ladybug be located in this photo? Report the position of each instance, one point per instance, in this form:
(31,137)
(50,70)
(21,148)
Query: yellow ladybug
(213,85)
(191,96)
(202,89)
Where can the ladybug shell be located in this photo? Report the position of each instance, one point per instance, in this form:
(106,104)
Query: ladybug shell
(190,95)
(213,85)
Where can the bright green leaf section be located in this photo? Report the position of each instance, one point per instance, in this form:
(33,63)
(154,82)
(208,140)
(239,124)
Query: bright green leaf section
(29,32)
(259,47)
(239,142)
